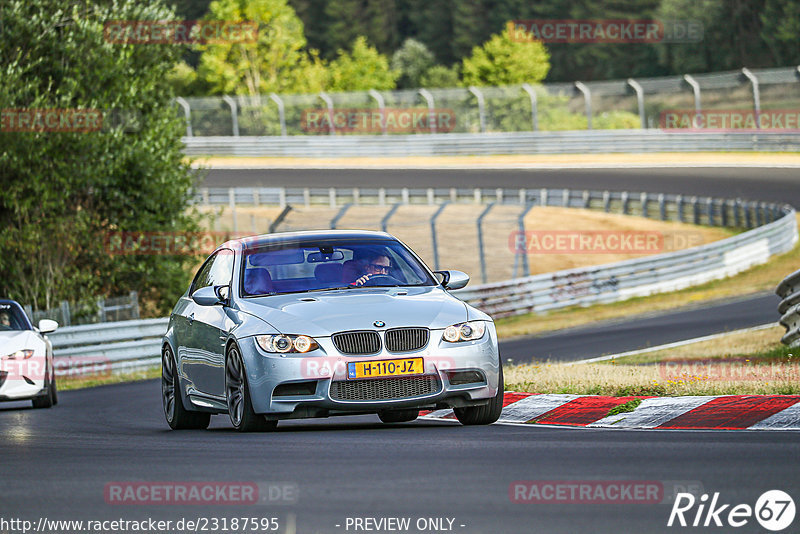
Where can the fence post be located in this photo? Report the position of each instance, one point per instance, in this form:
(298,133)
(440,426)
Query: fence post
(234,114)
(481,107)
(429,99)
(523,194)
(748,216)
(498,193)
(101,310)
(328,102)
(534,105)
(756,95)
(543,196)
(587,98)
(433,235)
(356,196)
(381,106)
(385,220)
(696,89)
(521,225)
(587,198)
(66,316)
(188,113)
(134,304)
(481,251)
(339,215)
(281,114)
(640,100)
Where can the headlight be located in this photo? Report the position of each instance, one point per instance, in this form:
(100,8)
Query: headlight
(464,331)
(283,343)
(19,355)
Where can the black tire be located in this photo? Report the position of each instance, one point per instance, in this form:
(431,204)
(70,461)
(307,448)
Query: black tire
(486,414)
(398,416)
(237,396)
(45,400)
(178,417)
(53,389)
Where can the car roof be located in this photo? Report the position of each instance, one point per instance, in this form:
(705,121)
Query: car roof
(309,236)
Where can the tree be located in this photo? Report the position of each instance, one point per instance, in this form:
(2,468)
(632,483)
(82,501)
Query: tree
(411,61)
(276,62)
(362,69)
(440,76)
(64,191)
(503,61)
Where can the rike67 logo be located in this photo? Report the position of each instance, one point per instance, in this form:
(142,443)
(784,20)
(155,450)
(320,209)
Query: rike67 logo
(774,510)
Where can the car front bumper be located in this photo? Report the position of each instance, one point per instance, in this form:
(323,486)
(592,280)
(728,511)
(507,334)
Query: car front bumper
(325,372)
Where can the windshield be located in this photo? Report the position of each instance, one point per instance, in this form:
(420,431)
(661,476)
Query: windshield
(330,264)
(12,318)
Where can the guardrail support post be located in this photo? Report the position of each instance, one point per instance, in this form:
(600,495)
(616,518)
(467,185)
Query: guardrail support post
(679,207)
(404,195)
(748,216)
(385,220)
(381,106)
(477,195)
(695,211)
(607,201)
(759,214)
(498,193)
(565,198)
(535,106)
(307,197)
(724,204)
(424,93)
(710,211)
(543,196)
(431,197)
(481,107)
(281,112)
(643,201)
(587,98)
(640,100)
(521,225)
(332,196)
(356,196)
(662,207)
(234,114)
(381,197)
(481,251)
(282,197)
(433,235)
(187,112)
(523,196)
(624,202)
(328,102)
(586,200)
(756,95)
(696,89)
(737,213)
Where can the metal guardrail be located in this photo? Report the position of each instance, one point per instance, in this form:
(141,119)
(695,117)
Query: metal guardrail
(456,144)
(103,347)
(789,308)
(638,277)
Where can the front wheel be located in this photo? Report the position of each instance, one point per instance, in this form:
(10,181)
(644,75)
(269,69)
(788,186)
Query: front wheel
(178,417)
(48,398)
(237,395)
(486,414)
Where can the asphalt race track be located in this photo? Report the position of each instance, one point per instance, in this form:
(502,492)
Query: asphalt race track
(642,332)
(770,184)
(57,463)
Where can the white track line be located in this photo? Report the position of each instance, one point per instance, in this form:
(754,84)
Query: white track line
(671,345)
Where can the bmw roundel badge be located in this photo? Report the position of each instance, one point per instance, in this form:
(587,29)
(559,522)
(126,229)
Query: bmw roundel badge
(379,324)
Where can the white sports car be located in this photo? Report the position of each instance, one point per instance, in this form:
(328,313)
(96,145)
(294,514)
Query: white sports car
(26,358)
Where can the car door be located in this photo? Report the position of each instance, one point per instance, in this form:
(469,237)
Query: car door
(206,329)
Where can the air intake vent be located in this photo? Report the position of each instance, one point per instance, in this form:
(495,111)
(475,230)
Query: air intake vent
(362,342)
(384,388)
(406,339)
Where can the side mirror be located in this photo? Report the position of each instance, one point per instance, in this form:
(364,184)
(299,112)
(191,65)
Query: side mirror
(47,326)
(206,296)
(452,279)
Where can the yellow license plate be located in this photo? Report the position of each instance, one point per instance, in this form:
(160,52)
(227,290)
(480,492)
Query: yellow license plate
(381,368)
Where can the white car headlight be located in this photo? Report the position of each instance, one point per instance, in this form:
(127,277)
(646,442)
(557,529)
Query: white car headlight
(282,343)
(468,331)
(19,355)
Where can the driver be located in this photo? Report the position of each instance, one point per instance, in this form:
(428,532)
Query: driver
(5,319)
(376,266)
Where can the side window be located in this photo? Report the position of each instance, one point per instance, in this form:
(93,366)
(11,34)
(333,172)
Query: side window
(216,271)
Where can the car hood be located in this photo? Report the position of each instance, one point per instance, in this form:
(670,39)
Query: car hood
(14,340)
(357,309)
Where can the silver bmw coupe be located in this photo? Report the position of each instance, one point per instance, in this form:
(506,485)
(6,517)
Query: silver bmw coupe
(324,323)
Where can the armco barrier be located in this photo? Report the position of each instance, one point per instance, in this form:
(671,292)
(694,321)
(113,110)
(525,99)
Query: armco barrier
(789,308)
(558,142)
(638,277)
(130,344)
(122,345)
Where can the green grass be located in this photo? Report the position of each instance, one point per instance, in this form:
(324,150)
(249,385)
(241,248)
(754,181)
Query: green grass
(70,383)
(624,408)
